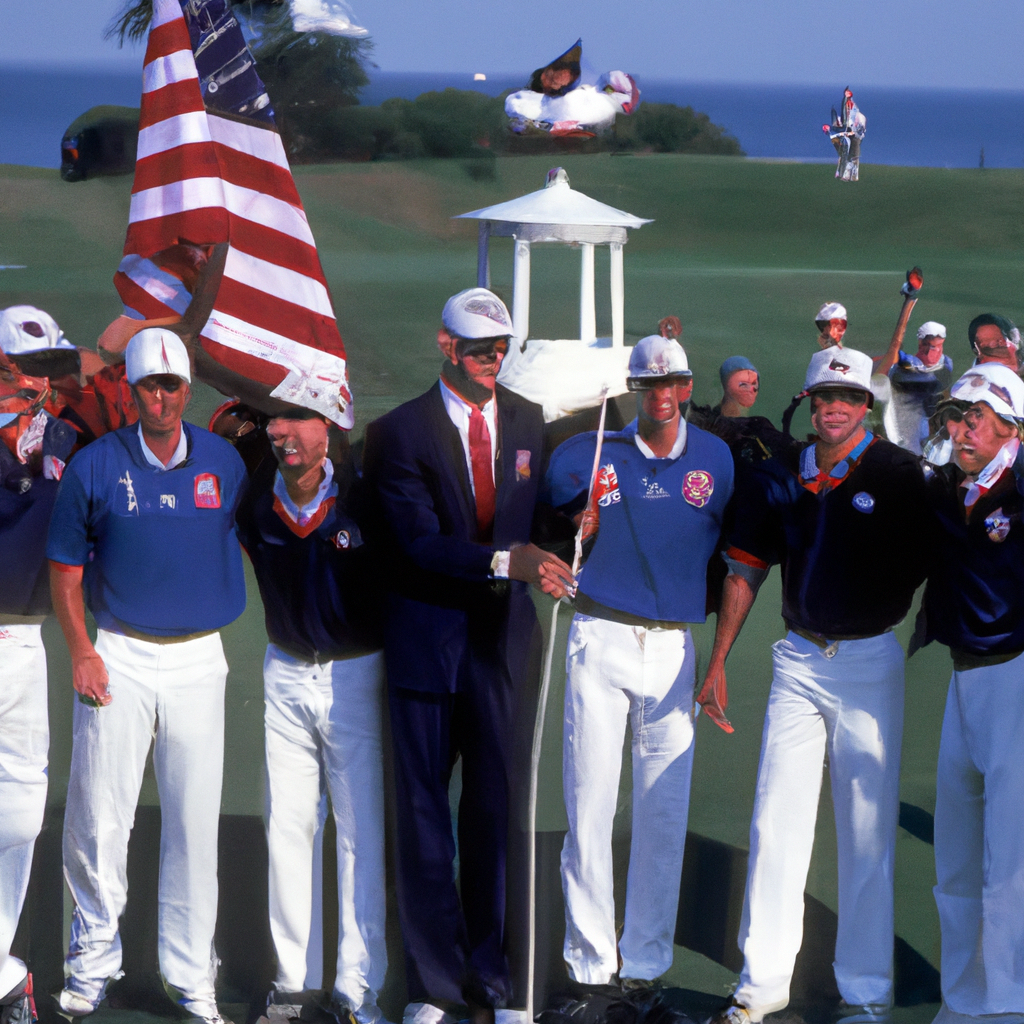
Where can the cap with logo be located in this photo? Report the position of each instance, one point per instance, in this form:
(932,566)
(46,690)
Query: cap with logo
(656,359)
(25,329)
(156,351)
(476,313)
(830,311)
(994,384)
(836,367)
(931,329)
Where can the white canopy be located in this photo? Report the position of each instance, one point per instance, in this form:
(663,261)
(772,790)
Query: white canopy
(563,375)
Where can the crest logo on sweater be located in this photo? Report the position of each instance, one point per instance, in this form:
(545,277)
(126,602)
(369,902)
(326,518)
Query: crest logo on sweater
(342,540)
(129,487)
(997,526)
(207,491)
(606,486)
(698,487)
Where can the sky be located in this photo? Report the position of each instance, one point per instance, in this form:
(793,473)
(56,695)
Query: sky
(928,43)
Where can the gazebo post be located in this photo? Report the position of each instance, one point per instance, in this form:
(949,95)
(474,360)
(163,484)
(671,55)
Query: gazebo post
(618,331)
(521,291)
(483,255)
(588,316)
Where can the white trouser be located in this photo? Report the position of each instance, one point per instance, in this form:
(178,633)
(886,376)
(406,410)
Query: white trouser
(615,672)
(323,729)
(24,740)
(979,841)
(850,708)
(170,696)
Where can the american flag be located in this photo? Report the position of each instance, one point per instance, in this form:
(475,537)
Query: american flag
(211,168)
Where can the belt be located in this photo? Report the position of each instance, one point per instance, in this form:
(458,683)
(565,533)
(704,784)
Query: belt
(151,639)
(588,606)
(829,642)
(965,660)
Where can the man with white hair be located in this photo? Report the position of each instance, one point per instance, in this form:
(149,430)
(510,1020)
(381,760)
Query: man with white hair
(143,533)
(657,511)
(974,604)
(917,382)
(834,518)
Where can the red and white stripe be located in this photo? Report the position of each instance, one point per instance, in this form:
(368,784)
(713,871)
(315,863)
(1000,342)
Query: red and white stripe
(204,179)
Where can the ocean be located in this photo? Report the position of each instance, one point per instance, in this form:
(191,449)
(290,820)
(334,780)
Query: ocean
(909,127)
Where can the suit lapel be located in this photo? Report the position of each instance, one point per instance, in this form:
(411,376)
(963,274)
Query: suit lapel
(453,455)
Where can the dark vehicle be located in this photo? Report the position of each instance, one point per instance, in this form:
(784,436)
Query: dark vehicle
(101,141)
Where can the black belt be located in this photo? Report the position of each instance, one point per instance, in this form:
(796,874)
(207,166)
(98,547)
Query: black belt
(588,606)
(825,642)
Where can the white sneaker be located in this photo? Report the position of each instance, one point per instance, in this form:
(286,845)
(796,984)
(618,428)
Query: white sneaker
(72,1004)
(427,1013)
(868,1013)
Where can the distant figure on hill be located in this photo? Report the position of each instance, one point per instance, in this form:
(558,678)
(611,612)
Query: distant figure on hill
(845,132)
(917,382)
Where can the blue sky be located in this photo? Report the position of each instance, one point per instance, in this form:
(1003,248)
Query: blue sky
(866,42)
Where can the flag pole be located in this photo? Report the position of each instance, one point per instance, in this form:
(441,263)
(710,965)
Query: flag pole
(538,729)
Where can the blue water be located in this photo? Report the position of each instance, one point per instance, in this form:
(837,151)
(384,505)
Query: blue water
(922,127)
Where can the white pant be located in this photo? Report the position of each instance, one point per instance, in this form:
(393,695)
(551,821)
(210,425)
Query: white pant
(24,740)
(850,707)
(979,841)
(170,696)
(615,672)
(323,729)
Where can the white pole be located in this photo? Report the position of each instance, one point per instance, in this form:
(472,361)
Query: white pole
(483,256)
(538,734)
(588,318)
(618,332)
(521,291)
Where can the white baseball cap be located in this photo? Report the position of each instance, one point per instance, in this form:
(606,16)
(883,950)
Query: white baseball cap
(931,329)
(655,356)
(994,384)
(155,351)
(836,367)
(25,329)
(476,313)
(831,311)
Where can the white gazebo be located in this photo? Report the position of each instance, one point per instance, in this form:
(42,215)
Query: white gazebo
(567,374)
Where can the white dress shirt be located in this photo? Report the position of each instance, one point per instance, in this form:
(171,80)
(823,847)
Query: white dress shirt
(458,410)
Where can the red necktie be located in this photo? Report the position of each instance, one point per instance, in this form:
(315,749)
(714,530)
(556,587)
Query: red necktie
(482,462)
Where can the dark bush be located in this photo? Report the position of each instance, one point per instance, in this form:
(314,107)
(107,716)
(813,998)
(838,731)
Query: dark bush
(666,128)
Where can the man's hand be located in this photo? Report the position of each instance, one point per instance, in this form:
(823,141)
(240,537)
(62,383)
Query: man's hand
(714,697)
(544,570)
(90,679)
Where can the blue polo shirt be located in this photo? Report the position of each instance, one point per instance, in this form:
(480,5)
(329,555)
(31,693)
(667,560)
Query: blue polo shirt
(660,519)
(158,546)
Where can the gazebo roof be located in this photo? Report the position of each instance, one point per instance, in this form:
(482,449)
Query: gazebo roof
(556,204)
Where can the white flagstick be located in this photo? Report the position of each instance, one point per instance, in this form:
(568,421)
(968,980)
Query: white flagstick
(538,730)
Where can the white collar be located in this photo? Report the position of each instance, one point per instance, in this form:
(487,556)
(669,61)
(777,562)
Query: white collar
(176,459)
(328,488)
(451,397)
(677,449)
(1004,458)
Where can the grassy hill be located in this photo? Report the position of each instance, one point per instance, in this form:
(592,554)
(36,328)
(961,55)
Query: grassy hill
(743,251)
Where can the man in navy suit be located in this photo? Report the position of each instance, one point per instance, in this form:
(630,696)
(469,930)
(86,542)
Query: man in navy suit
(456,472)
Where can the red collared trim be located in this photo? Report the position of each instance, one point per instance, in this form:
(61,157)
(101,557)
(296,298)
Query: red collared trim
(741,556)
(317,519)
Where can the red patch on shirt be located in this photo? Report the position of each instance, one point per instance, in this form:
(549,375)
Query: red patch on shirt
(207,491)
(698,487)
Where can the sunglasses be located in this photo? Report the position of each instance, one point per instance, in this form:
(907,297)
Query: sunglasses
(649,383)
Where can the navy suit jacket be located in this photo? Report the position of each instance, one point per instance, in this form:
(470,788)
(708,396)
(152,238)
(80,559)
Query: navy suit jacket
(441,598)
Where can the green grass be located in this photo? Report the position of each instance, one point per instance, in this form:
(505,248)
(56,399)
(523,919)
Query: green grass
(743,251)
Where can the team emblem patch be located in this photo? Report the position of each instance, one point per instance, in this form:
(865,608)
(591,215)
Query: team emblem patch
(342,540)
(207,491)
(997,526)
(698,487)
(606,486)
(864,502)
(522,464)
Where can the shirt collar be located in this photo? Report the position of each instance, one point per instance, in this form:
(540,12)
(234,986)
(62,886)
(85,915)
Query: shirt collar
(1004,458)
(327,489)
(818,482)
(677,449)
(452,399)
(179,456)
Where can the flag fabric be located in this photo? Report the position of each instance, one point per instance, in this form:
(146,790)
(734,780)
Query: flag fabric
(211,168)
